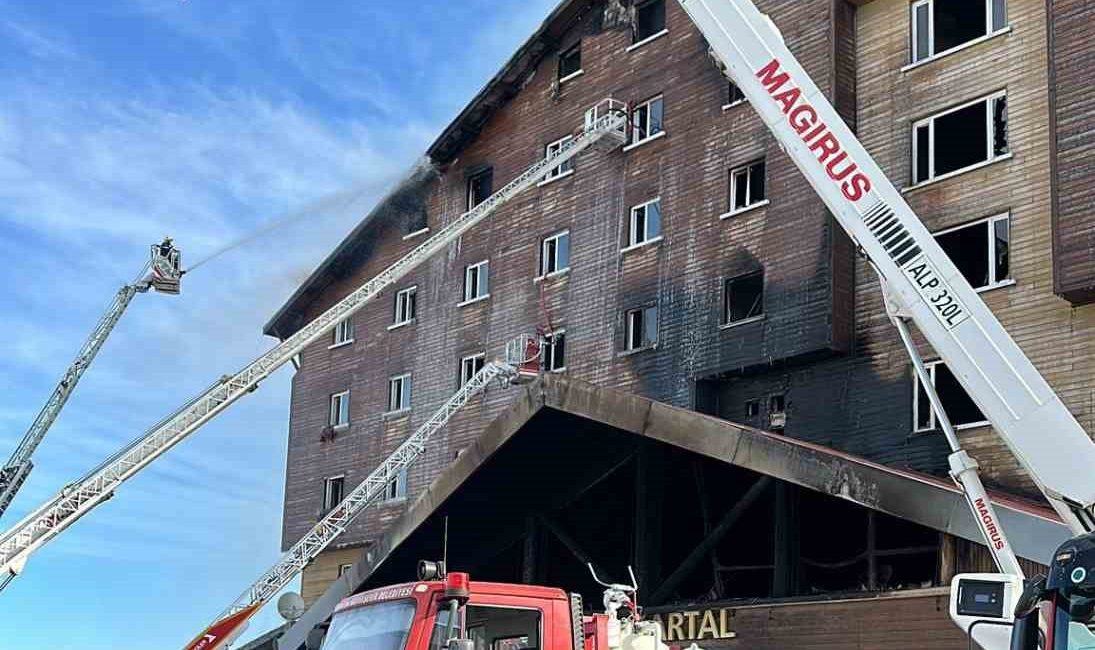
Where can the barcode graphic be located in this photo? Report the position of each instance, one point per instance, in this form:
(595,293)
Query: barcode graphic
(887,228)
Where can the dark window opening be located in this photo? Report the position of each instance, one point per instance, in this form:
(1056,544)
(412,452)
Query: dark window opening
(479,187)
(734,94)
(570,61)
(747,186)
(743,298)
(649,19)
(777,404)
(332,492)
(417,221)
(641,328)
(958,21)
(960,139)
(956,402)
(980,251)
(752,408)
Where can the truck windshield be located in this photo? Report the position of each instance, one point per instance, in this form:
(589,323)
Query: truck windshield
(383,626)
(1079,618)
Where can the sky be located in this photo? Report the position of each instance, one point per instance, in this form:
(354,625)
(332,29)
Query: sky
(122,121)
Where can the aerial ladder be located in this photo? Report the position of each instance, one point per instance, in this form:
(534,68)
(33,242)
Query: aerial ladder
(604,129)
(163,273)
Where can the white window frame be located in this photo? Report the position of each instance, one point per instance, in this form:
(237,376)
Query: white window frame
(637,129)
(334,417)
(404,313)
(750,204)
(577,73)
(405,389)
(468,189)
(343,333)
(343,569)
(656,35)
(994,282)
(563,170)
(328,492)
(549,350)
(931,55)
(633,239)
(990,152)
(634,343)
(481,272)
(470,365)
(544,271)
(933,423)
(396,490)
(731,102)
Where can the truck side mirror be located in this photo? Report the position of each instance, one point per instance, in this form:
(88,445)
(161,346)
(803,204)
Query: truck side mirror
(315,638)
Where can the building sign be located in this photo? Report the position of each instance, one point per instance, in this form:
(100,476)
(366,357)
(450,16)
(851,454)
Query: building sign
(696,625)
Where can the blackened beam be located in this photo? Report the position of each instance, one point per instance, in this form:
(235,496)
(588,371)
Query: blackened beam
(717,533)
(569,542)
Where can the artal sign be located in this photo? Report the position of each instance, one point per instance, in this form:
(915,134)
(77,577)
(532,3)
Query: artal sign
(696,625)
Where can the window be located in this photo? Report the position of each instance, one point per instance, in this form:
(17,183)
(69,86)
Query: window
(980,250)
(752,408)
(406,305)
(649,19)
(555,254)
(743,298)
(477,281)
(959,407)
(646,121)
(343,569)
(554,148)
(344,332)
(645,223)
(397,489)
(339,414)
(332,492)
(747,187)
(417,222)
(469,366)
(641,328)
(479,187)
(960,138)
(939,26)
(555,351)
(734,94)
(399,393)
(570,62)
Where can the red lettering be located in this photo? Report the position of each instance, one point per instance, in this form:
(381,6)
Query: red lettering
(838,176)
(770,79)
(856,187)
(813,134)
(788,98)
(825,146)
(801,125)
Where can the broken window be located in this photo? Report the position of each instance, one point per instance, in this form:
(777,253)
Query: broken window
(570,62)
(645,223)
(747,187)
(479,187)
(339,413)
(980,250)
(939,26)
(733,95)
(641,328)
(956,402)
(332,492)
(470,365)
(555,351)
(743,298)
(649,19)
(417,222)
(399,393)
(406,306)
(555,254)
(960,138)
(477,281)
(554,148)
(646,120)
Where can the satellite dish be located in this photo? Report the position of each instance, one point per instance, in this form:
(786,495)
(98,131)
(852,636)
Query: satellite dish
(291,606)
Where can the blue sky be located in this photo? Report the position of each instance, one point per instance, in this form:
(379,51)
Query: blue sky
(125,120)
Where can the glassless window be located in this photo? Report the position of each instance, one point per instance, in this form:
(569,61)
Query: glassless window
(417,221)
(641,328)
(383,626)
(570,62)
(333,492)
(479,187)
(956,402)
(469,366)
(406,305)
(743,298)
(339,413)
(399,393)
(960,138)
(734,94)
(555,352)
(649,19)
(939,26)
(647,120)
(747,186)
(344,332)
(397,489)
(477,281)
(555,253)
(645,223)
(554,148)
(980,250)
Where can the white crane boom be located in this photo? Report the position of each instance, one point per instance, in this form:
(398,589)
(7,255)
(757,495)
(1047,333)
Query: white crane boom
(164,273)
(604,128)
(231,622)
(920,281)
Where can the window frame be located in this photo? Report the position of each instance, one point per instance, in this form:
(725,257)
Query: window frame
(732,184)
(646,342)
(989,100)
(488,173)
(405,392)
(632,226)
(478,361)
(563,170)
(933,422)
(400,488)
(406,301)
(328,482)
(638,41)
(563,55)
(992,220)
(636,129)
(549,350)
(914,31)
(559,270)
(345,568)
(481,271)
(343,333)
(727,285)
(731,101)
(343,399)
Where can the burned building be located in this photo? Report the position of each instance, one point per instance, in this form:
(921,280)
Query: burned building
(696,271)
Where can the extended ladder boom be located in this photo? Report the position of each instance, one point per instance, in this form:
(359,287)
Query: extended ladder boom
(231,622)
(162,269)
(604,128)
(920,280)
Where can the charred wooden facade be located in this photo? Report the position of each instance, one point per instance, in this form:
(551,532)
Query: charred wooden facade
(817,360)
